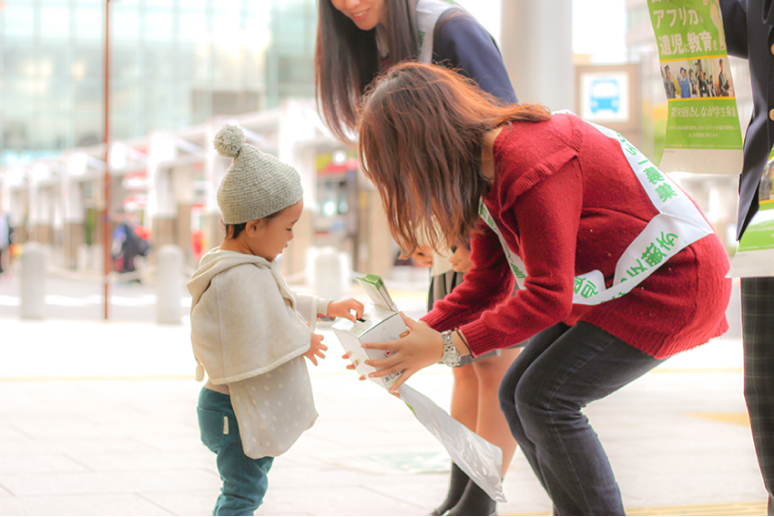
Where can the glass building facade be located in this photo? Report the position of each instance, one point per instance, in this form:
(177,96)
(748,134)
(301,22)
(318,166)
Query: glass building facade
(174,63)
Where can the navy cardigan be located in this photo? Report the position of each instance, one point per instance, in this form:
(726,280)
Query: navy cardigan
(460,42)
(749,35)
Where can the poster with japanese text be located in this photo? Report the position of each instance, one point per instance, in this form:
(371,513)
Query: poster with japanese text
(703,133)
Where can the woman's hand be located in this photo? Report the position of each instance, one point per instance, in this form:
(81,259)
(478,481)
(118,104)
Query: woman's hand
(351,366)
(422,347)
(316,349)
(423,256)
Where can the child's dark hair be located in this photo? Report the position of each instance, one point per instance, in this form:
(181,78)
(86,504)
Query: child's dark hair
(233,230)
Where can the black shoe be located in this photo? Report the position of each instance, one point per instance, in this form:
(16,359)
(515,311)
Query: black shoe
(474,501)
(457,484)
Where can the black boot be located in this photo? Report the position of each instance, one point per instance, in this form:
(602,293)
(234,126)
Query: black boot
(457,483)
(474,501)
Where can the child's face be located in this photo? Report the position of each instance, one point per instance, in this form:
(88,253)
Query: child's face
(268,237)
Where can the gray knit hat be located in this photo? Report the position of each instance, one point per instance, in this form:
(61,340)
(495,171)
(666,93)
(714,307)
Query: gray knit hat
(257,184)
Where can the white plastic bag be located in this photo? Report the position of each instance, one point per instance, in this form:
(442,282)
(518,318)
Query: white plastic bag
(479,459)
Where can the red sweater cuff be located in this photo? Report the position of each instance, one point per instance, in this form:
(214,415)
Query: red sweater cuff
(480,339)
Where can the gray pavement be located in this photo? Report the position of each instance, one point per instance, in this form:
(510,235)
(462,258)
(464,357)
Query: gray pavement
(99,418)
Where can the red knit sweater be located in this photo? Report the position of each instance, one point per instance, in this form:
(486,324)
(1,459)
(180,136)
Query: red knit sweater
(567,202)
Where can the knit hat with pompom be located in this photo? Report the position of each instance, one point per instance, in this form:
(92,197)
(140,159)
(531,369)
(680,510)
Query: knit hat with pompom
(257,184)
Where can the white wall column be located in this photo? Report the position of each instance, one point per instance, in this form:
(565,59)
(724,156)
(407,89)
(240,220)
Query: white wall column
(294,131)
(72,210)
(183,192)
(40,207)
(536,43)
(215,167)
(162,209)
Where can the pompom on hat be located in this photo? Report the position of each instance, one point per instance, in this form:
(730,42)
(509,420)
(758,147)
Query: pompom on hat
(257,184)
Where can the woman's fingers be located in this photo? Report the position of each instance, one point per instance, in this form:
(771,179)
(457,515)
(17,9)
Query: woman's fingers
(383,345)
(411,324)
(384,371)
(400,380)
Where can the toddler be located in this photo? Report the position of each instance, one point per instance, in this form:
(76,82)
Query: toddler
(249,331)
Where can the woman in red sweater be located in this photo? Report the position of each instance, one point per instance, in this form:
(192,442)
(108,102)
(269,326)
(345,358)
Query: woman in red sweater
(617,267)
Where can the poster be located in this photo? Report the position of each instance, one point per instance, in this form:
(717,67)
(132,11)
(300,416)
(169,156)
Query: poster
(703,133)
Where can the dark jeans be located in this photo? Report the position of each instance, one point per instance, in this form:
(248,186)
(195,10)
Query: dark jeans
(758,338)
(244,479)
(557,374)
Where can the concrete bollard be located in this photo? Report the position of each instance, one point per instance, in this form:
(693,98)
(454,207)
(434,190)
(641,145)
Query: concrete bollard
(83,257)
(33,279)
(331,273)
(97,258)
(169,284)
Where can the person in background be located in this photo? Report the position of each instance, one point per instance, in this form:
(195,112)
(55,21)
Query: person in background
(685,85)
(356,40)
(669,85)
(617,267)
(723,86)
(5,238)
(127,246)
(703,85)
(693,82)
(749,28)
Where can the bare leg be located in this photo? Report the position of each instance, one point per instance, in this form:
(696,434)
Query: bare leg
(490,422)
(465,396)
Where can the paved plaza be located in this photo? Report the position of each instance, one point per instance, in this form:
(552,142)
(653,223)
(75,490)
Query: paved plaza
(98,418)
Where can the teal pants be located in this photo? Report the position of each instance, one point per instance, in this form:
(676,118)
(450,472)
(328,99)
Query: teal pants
(244,479)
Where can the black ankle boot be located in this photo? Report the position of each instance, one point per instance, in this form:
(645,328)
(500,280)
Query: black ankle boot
(457,483)
(474,501)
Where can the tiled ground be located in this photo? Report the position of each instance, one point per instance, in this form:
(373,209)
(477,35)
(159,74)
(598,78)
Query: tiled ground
(98,419)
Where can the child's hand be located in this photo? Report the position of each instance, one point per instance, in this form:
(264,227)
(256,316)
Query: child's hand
(343,308)
(316,349)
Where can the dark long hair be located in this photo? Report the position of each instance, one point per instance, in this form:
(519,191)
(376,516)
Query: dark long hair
(346,59)
(420,131)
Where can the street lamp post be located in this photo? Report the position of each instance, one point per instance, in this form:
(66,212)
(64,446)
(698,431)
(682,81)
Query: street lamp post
(106,213)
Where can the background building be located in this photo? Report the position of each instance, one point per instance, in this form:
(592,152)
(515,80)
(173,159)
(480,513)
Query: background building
(173,64)
(182,68)
(178,70)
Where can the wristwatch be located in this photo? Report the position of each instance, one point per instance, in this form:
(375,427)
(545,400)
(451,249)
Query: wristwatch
(451,357)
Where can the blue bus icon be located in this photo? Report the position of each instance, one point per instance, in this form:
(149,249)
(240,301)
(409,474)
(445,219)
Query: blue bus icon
(605,95)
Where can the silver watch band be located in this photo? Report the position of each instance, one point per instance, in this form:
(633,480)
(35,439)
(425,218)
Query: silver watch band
(451,357)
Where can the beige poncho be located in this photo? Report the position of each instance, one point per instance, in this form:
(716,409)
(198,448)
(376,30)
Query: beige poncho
(247,332)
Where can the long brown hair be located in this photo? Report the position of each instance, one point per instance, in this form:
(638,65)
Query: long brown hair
(346,59)
(421,128)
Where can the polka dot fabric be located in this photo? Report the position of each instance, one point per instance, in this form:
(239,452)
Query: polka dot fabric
(273,409)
